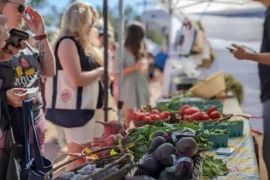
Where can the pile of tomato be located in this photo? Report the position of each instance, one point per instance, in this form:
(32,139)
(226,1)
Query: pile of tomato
(190,113)
(154,115)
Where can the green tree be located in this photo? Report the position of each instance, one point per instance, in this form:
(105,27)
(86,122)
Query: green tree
(156,37)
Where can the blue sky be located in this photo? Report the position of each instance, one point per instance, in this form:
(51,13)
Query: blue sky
(112,3)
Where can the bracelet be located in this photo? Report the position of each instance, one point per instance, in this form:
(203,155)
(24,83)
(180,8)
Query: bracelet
(41,37)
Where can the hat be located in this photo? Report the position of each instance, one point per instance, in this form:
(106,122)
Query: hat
(101,32)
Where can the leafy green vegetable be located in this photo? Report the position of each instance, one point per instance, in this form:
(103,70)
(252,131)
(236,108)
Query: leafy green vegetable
(190,125)
(203,142)
(144,135)
(214,167)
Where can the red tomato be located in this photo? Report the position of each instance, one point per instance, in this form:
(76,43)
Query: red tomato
(187,117)
(211,109)
(134,115)
(183,109)
(165,115)
(147,118)
(154,117)
(204,116)
(215,115)
(155,111)
(191,110)
(196,116)
(140,116)
(147,114)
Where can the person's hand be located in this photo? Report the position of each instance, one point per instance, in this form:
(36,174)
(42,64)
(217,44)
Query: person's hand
(15,96)
(139,65)
(36,22)
(7,53)
(142,65)
(240,53)
(4,34)
(100,71)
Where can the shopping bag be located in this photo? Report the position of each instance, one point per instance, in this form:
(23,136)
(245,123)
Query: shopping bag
(32,168)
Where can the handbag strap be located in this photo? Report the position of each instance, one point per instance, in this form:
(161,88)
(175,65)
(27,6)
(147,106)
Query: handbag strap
(28,120)
(27,144)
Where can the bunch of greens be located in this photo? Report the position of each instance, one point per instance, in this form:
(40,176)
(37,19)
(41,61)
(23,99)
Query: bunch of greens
(214,167)
(203,141)
(234,86)
(201,136)
(141,138)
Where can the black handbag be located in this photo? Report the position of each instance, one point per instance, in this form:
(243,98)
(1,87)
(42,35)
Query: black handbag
(32,168)
(6,72)
(11,154)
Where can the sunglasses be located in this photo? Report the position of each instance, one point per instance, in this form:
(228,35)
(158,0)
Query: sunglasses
(21,7)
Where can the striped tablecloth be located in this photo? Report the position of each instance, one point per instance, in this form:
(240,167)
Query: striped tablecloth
(242,163)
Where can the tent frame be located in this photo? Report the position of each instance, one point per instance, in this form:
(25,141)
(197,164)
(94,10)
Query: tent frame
(119,68)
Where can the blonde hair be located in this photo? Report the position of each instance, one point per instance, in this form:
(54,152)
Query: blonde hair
(78,21)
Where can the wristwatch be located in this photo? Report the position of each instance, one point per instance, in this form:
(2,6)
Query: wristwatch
(41,37)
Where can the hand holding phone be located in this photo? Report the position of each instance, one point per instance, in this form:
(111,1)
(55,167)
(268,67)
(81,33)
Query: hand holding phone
(13,44)
(16,36)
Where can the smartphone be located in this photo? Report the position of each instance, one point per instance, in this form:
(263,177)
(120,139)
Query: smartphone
(230,49)
(16,36)
(225,151)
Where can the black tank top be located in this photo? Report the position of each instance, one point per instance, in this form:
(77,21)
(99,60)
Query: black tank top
(88,63)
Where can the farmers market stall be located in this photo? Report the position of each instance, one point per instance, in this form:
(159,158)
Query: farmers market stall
(120,154)
(242,163)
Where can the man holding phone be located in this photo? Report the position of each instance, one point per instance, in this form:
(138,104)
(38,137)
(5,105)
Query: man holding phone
(8,52)
(264,74)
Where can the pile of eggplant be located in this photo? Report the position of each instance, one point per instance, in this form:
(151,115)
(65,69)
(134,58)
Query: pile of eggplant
(166,159)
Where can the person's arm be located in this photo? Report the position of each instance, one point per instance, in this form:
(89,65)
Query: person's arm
(242,54)
(70,61)
(131,69)
(262,58)
(46,58)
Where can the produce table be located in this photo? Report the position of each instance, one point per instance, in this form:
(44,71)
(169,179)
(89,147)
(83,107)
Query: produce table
(242,164)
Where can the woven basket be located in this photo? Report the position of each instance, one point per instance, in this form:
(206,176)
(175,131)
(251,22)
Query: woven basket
(99,162)
(125,162)
(211,87)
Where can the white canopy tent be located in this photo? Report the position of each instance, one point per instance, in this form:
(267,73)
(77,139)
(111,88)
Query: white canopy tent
(195,9)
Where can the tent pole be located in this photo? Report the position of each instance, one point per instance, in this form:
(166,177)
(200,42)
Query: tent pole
(170,9)
(121,57)
(106,76)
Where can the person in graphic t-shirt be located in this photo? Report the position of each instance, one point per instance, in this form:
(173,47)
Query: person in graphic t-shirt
(29,64)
